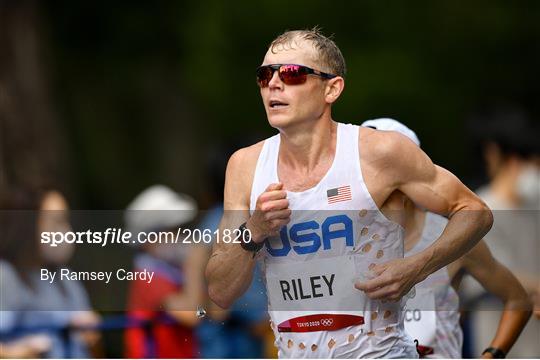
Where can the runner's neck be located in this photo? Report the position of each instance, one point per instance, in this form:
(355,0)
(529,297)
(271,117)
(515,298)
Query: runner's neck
(304,151)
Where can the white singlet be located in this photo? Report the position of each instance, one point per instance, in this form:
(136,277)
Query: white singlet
(432,316)
(335,234)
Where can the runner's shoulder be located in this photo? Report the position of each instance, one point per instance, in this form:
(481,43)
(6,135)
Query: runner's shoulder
(241,166)
(380,144)
(239,176)
(245,158)
(388,150)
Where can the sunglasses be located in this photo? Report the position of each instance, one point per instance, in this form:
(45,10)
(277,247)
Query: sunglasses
(290,74)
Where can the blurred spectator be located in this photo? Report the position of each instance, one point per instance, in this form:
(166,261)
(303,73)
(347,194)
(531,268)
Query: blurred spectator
(39,318)
(168,304)
(510,145)
(241,331)
(511,150)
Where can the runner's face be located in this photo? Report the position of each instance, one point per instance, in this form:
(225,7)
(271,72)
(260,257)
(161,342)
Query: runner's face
(287,105)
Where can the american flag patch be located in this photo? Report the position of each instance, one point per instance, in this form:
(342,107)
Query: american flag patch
(342,193)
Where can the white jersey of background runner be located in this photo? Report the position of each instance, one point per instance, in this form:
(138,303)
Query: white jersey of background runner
(335,234)
(432,316)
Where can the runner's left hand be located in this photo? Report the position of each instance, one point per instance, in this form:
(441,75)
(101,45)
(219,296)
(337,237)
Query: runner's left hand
(391,280)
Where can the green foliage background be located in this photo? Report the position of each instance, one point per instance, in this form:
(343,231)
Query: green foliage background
(144,88)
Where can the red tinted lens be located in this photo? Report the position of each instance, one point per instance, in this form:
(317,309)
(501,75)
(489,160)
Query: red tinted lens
(264,75)
(293,74)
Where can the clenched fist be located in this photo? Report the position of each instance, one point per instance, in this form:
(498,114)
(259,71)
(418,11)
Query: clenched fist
(271,213)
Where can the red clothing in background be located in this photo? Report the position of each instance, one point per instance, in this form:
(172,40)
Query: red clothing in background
(162,337)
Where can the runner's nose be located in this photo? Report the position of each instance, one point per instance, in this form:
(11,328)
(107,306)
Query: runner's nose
(275,81)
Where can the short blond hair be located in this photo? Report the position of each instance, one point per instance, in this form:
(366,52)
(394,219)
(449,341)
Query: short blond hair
(329,54)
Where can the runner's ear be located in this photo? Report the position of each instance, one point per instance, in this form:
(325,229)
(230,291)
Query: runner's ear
(334,88)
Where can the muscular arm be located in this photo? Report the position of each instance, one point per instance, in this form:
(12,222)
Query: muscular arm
(230,268)
(437,190)
(499,281)
(396,164)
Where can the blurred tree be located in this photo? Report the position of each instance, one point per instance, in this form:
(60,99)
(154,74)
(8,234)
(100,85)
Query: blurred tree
(30,138)
(144,88)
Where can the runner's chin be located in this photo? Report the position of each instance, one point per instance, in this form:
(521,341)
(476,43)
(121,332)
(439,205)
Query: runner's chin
(279,117)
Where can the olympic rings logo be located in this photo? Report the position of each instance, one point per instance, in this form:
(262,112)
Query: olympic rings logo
(327,322)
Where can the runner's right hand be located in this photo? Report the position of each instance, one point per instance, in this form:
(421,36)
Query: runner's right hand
(271,213)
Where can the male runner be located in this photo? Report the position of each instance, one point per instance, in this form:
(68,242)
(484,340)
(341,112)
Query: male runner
(357,175)
(433,314)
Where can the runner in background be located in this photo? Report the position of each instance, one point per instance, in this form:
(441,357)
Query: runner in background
(508,138)
(432,316)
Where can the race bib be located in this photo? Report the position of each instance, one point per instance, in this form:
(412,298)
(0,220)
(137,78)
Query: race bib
(314,286)
(420,317)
